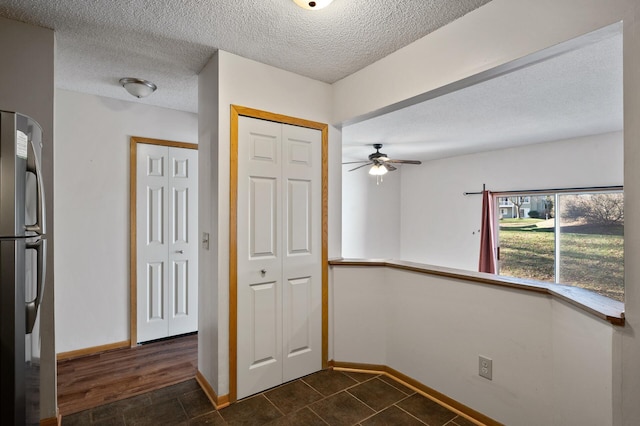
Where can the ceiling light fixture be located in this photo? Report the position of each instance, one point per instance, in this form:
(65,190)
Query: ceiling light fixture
(313,5)
(378,170)
(138,87)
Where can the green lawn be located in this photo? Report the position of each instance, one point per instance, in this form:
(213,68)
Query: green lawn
(591,261)
(519,223)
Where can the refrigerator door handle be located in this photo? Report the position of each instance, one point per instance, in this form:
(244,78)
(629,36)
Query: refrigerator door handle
(33,166)
(33,305)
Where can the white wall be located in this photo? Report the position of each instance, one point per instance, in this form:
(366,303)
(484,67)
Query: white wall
(419,213)
(551,361)
(495,34)
(584,369)
(26,86)
(233,80)
(92,210)
(361,321)
(208,166)
(440,225)
(370,214)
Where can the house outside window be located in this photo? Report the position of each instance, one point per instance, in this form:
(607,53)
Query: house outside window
(567,238)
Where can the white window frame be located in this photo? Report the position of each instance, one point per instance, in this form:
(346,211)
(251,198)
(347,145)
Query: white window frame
(556,193)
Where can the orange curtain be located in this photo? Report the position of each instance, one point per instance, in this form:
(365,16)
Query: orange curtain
(488,259)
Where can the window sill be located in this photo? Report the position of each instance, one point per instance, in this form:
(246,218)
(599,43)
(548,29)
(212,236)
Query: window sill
(600,306)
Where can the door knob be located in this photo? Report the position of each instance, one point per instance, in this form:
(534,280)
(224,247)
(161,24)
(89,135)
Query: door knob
(180,251)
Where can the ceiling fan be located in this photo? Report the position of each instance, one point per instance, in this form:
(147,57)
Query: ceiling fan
(380,163)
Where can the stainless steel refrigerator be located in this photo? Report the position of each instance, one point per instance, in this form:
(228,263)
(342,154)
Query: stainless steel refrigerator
(22,267)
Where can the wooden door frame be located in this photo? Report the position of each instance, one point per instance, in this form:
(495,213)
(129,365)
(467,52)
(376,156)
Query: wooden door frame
(133,217)
(236,112)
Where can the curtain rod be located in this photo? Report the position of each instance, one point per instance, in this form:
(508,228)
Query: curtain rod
(537,191)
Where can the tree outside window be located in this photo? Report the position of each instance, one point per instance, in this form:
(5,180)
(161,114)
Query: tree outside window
(583,246)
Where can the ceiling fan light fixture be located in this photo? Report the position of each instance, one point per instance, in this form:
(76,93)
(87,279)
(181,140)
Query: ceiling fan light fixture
(378,170)
(138,87)
(313,5)
(381,164)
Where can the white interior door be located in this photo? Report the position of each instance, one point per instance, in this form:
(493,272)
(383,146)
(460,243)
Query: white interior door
(279,254)
(166,234)
(302,256)
(183,241)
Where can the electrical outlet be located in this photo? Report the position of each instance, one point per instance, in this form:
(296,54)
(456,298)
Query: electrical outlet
(485,367)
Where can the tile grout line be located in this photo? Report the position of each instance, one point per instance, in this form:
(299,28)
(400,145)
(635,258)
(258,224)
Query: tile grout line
(317,415)
(341,390)
(443,404)
(274,405)
(313,389)
(347,390)
(402,409)
(389,406)
(375,412)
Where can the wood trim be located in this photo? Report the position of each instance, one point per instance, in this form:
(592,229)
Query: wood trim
(63,356)
(236,112)
(133,249)
(233,257)
(278,118)
(133,245)
(218,402)
(51,421)
(442,399)
(162,142)
(600,306)
(325,246)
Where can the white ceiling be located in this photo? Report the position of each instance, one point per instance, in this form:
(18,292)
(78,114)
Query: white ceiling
(576,93)
(168,42)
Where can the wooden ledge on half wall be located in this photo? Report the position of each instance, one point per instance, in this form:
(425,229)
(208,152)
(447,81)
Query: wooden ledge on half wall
(600,306)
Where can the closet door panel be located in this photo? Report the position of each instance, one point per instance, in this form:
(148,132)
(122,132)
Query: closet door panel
(279,271)
(299,223)
(302,260)
(263,216)
(152,242)
(259,267)
(166,241)
(183,242)
(298,304)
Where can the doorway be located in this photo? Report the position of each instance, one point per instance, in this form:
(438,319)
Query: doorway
(263,148)
(164,250)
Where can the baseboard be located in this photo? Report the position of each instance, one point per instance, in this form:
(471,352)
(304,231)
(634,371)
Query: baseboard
(51,421)
(453,405)
(62,356)
(217,401)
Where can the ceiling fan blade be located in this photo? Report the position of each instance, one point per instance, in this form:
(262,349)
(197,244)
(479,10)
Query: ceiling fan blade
(359,167)
(354,162)
(389,166)
(405,161)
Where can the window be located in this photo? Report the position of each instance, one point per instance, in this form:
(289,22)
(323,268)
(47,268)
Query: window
(567,238)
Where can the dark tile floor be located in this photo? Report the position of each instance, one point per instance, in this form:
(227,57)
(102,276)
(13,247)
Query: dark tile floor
(328,397)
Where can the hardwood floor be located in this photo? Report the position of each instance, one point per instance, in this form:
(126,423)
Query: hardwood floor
(94,380)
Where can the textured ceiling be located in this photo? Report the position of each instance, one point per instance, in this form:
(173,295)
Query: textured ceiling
(577,93)
(168,42)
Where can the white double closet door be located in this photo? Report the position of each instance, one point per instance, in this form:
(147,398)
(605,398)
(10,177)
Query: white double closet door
(166,241)
(279,275)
